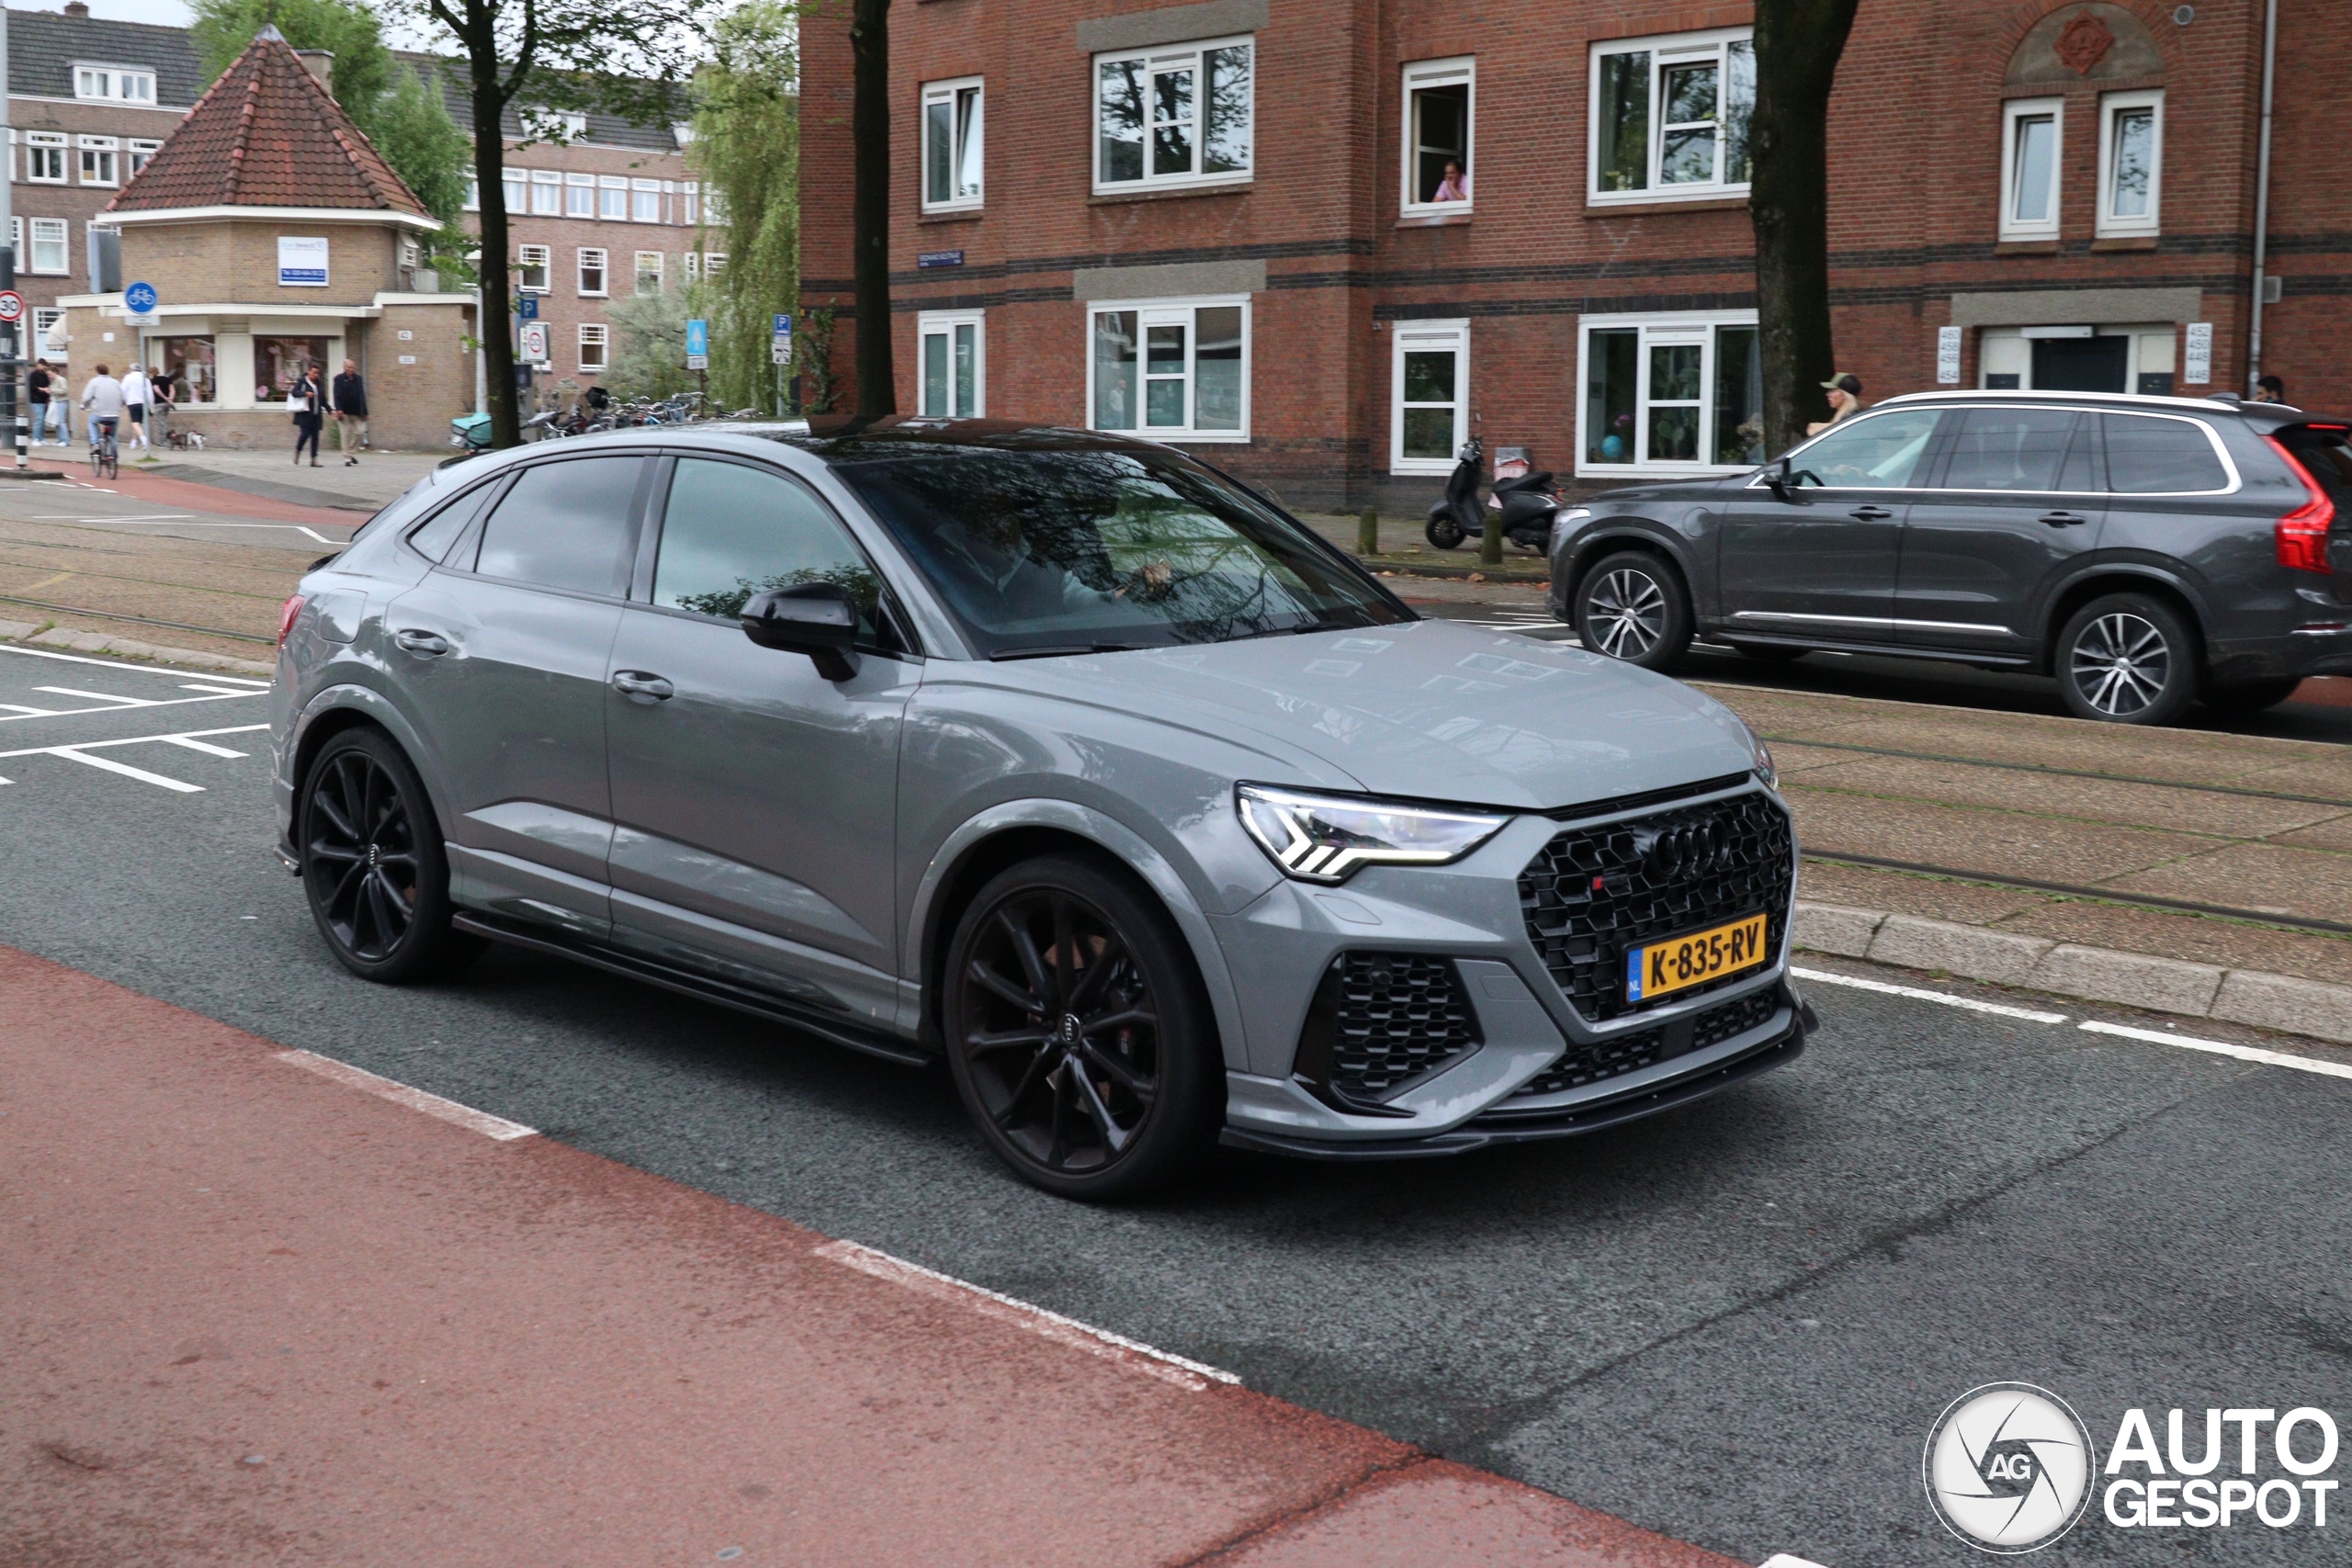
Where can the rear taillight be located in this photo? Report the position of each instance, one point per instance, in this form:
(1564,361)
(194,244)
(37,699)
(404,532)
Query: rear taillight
(286,618)
(2301,536)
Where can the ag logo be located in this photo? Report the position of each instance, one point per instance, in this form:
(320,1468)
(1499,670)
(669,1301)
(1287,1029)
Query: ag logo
(2009,1466)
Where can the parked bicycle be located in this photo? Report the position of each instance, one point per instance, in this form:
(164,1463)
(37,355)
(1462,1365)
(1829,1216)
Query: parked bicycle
(102,451)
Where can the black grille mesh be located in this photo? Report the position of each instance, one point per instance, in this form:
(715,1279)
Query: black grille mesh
(1717,1025)
(1398,1017)
(1644,1048)
(1593,894)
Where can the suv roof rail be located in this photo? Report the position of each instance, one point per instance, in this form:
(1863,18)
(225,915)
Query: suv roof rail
(2227,399)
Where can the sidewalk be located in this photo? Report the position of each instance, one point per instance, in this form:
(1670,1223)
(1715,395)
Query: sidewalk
(375,480)
(257,1313)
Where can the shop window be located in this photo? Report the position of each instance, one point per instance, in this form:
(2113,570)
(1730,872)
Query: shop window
(951,144)
(1670,116)
(2131,163)
(1174,369)
(191,363)
(279,361)
(592,272)
(2031,133)
(532,263)
(1678,394)
(952,346)
(1428,416)
(1438,110)
(1173,116)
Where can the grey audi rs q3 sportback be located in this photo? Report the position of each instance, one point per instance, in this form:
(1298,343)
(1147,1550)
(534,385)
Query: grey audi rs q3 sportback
(1058,756)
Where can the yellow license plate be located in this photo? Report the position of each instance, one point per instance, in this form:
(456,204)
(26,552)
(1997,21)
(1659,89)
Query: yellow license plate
(1664,967)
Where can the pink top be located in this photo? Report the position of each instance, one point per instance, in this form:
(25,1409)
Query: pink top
(1452,188)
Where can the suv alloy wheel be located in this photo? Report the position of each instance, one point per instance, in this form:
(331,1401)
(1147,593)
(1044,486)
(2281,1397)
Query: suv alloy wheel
(1632,606)
(2127,659)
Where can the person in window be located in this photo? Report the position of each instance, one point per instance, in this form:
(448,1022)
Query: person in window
(1845,391)
(2270,390)
(308,403)
(1456,186)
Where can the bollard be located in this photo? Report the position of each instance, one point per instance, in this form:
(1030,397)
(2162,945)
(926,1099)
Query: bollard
(1490,544)
(1368,532)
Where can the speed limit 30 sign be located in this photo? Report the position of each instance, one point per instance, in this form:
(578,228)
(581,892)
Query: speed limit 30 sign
(12,304)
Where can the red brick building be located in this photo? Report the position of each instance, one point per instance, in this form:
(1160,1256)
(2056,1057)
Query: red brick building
(1234,224)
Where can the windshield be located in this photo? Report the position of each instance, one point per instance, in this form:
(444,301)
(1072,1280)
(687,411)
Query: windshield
(1040,552)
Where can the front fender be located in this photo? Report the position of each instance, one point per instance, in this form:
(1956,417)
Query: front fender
(346,697)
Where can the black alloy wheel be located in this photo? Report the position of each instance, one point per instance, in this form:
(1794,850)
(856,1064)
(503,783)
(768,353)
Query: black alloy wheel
(373,863)
(2127,659)
(1632,606)
(1077,1034)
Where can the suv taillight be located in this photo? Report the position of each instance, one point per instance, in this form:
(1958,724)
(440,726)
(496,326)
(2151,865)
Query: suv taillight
(2301,537)
(294,607)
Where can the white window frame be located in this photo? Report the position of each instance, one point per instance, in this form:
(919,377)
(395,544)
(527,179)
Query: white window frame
(515,188)
(106,154)
(950,92)
(639,189)
(612,199)
(46,320)
(1661,328)
(598,336)
(713,264)
(580,195)
(529,256)
(55,232)
(473,193)
(136,152)
(2111,225)
(1164,312)
(44,151)
(100,83)
(2012,111)
(690,267)
(1419,76)
(604,265)
(638,270)
(551,182)
(1167,55)
(930,325)
(1665,49)
(1425,337)
(690,202)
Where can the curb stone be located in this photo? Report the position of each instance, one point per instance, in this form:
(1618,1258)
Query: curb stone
(2311,1007)
(72,641)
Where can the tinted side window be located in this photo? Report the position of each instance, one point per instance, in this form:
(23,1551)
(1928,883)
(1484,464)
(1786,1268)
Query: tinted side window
(2148,456)
(1881,452)
(564,525)
(432,538)
(2016,449)
(731,531)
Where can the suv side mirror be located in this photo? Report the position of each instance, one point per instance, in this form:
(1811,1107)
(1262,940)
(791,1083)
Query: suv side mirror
(1776,477)
(815,618)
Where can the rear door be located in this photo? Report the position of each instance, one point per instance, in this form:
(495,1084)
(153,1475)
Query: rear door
(2015,498)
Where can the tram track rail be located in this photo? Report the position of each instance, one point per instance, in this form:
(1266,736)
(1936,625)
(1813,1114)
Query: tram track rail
(2056,772)
(138,620)
(2080,890)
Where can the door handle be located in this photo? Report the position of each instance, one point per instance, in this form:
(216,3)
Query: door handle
(1869,514)
(639,685)
(2062,519)
(415,639)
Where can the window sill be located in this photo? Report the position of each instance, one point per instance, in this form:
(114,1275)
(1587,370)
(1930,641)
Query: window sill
(1110,199)
(1644,209)
(1433,220)
(960,215)
(2026,248)
(2123,243)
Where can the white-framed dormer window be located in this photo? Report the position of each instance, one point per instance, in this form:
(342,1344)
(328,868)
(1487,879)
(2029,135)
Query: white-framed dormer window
(114,84)
(1170,369)
(1674,393)
(595,342)
(101,159)
(45,157)
(1179,115)
(580,195)
(547,193)
(543,124)
(1669,116)
(2033,132)
(1441,101)
(533,263)
(48,251)
(594,269)
(645,201)
(1429,396)
(952,364)
(649,272)
(2131,163)
(951,144)
(137,150)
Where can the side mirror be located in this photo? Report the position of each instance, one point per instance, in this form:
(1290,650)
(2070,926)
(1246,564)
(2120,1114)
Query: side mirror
(1776,478)
(816,618)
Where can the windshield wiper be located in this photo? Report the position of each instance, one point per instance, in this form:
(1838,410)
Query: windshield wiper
(1065,650)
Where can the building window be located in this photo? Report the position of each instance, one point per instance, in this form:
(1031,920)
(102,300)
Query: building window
(542,124)
(951,144)
(533,262)
(713,264)
(473,194)
(45,157)
(49,252)
(139,150)
(2131,163)
(1438,97)
(516,184)
(192,363)
(1429,414)
(690,197)
(645,201)
(547,193)
(2031,130)
(1175,116)
(595,338)
(1669,116)
(692,268)
(48,331)
(1679,393)
(99,156)
(278,362)
(1176,369)
(580,195)
(954,347)
(114,84)
(649,272)
(592,272)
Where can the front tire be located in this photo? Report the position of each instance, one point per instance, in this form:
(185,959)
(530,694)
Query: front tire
(373,865)
(2128,659)
(1444,532)
(1075,1026)
(1632,606)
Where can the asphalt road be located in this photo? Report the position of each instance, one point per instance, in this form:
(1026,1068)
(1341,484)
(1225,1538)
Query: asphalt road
(1735,1324)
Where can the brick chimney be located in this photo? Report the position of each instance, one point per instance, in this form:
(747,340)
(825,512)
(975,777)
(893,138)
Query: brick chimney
(320,63)
(76,8)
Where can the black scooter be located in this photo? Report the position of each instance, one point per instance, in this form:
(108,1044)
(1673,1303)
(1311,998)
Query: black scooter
(1527,505)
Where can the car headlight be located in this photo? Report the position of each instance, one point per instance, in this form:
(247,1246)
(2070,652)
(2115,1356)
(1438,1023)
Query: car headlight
(1324,838)
(1760,757)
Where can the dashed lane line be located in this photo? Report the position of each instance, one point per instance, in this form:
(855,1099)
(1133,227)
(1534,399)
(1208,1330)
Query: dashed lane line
(1919,994)
(2224,1048)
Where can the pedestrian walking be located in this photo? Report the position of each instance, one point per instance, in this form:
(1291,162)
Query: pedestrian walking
(102,396)
(162,397)
(1845,391)
(308,401)
(36,388)
(134,403)
(349,400)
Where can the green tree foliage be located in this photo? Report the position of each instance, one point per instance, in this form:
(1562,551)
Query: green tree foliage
(746,153)
(650,345)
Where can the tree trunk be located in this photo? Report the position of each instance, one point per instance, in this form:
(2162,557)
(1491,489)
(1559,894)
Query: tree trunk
(869,128)
(1797,46)
(489,159)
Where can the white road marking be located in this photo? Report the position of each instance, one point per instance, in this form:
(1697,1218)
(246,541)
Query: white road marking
(448,1111)
(205,746)
(118,664)
(2000,1010)
(1789,1560)
(114,697)
(1178,1369)
(127,771)
(28,713)
(2222,1048)
(77,751)
(174,523)
(125,705)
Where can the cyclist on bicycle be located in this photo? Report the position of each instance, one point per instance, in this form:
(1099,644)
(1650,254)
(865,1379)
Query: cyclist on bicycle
(102,395)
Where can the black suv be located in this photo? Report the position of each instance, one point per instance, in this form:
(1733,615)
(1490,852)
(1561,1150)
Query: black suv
(2148,552)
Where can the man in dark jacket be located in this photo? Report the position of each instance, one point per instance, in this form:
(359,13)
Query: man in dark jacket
(36,387)
(350,405)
